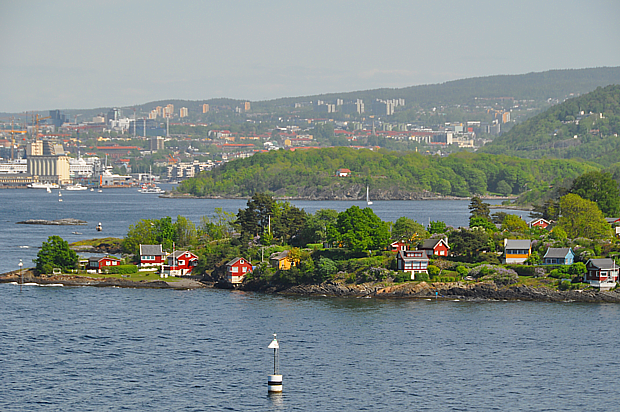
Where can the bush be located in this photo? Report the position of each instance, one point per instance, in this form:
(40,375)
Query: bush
(497,274)
(462,271)
(433,271)
(421,277)
(401,277)
(121,269)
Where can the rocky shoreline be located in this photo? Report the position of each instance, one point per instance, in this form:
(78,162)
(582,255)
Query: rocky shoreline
(465,291)
(487,291)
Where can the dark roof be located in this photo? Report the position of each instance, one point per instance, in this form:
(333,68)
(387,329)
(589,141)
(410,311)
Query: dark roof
(602,263)
(407,255)
(151,250)
(557,252)
(179,253)
(279,255)
(431,243)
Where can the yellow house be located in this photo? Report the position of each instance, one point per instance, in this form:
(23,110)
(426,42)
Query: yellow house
(281,261)
(517,250)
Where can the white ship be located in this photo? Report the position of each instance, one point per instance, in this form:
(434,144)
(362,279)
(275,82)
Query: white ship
(46,186)
(75,187)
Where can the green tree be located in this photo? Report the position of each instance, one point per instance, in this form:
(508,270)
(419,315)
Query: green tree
(142,232)
(165,233)
(220,226)
(360,230)
(478,208)
(582,218)
(504,188)
(436,226)
(477,221)
(255,219)
(185,232)
(514,223)
(469,243)
(315,229)
(601,188)
(55,253)
(550,210)
(408,229)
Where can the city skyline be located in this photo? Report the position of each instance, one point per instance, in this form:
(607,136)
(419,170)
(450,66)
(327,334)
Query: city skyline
(70,55)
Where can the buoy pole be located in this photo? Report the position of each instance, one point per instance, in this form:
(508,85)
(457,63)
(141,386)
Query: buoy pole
(274,382)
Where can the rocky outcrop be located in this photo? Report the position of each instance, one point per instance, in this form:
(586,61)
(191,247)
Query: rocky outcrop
(458,290)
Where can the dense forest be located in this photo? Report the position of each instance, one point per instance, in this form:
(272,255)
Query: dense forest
(311,174)
(585,127)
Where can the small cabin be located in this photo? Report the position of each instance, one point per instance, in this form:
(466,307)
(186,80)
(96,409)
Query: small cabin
(517,250)
(559,256)
(180,263)
(100,265)
(436,247)
(601,273)
(152,256)
(236,270)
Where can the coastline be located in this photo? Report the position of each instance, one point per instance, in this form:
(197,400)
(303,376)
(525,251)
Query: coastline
(462,291)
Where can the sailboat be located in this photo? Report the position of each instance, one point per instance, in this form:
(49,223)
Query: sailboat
(368,202)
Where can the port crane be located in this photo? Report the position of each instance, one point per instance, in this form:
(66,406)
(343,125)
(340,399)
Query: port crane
(13,132)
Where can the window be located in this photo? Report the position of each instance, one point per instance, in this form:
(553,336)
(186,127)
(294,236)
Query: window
(245,269)
(235,269)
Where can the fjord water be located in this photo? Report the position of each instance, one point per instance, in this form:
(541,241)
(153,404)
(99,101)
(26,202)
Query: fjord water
(92,349)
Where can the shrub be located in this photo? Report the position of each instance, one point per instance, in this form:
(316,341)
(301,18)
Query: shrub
(401,277)
(422,277)
(497,274)
(462,270)
(433,271)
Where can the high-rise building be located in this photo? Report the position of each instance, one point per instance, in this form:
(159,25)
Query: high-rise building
(169,110)
(113,115)
(157,143)
(246,106)
(57,118)
(183,112)
(205,108)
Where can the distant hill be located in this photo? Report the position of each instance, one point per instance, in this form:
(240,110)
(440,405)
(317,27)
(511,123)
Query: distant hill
(311,174)
(584,127)
(536,86)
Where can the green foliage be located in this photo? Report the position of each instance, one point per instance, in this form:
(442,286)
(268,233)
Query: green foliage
(422,277)
(479,209)
(469,243)
(462,270)
(436,226)
(514,223)
(55,253)
(311,173)
(582,218)
(325,268)
(433,271)
(585,127)
(599,188)
(486,224)
(360,230)
(220,226)
(408,229)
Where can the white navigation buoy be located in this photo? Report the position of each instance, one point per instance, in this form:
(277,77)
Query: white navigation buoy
(274,382)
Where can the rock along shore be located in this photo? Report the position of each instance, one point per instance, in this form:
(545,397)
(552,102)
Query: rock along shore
(458,290)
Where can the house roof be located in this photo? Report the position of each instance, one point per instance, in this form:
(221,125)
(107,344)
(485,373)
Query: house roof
(431,243)
(180,253)
(558,252)
(517,244)
(279,255)
(410,255)
(602,263)
(235,260)
(151,250)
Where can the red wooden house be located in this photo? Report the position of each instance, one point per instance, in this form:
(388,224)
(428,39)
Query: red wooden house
(398,246)
(602,273)
(152,256)
(540,222)
(100,265)
(236,270)
(435,247)
(180,263)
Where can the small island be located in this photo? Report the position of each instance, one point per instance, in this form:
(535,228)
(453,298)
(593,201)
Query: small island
(272,246)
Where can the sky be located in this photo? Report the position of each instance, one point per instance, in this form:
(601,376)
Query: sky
(84,54)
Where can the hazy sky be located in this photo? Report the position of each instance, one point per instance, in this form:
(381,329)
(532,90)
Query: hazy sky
(63,54)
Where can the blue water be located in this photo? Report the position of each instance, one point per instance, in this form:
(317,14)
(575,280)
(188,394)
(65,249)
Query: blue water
(93,349)
(117,209)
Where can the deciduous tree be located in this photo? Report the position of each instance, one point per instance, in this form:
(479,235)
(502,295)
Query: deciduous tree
(55,253)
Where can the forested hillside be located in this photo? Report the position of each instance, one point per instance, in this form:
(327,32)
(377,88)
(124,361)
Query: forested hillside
(390,175)
(585,127)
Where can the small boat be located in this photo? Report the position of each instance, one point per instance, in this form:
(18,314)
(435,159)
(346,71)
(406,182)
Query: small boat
(151,188)
(99,191)
(76,187)
(49,190)
(76,233)
(59,196)
(99,228)
(92,189)
(368,202)
(46,186)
